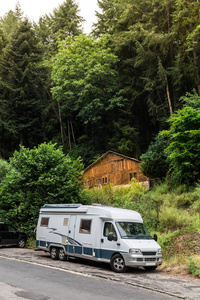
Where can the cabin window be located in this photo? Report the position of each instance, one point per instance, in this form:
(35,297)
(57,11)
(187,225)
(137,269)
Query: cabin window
(66,222)
(85,226)
(133,175)
(108,227)
(98,181)
(44,222)
(104,180)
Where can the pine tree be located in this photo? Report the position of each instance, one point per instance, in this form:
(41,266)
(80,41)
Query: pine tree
(20,90)
(63,22)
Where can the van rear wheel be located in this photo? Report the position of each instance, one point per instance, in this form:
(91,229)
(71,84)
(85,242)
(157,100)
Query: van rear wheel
(61,254)
(54,253)
(117,264)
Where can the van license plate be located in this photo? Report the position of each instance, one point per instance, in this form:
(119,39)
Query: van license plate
(150,264)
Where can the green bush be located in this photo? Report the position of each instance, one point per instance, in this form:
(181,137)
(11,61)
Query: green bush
(38,176)
(4,168)
(193,268)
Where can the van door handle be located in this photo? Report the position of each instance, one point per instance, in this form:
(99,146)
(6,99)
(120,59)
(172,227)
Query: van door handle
(87,243)
(102,240)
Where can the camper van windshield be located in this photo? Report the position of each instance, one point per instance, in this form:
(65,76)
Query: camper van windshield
(130,230)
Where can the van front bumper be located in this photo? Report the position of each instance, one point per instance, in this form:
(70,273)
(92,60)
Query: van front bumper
(141,261)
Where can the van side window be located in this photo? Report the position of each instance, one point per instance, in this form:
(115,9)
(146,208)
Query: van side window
(108,227)
(66,222)
(44,222)
(85,226)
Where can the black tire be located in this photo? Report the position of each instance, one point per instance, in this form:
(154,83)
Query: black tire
(117,264)
(54,253)
(21,243)
(61,254)
(150,268)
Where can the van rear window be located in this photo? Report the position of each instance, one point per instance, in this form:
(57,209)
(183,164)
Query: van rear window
(44,222)
(85,226)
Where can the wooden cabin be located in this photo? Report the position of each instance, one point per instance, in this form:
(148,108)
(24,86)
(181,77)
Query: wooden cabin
(114,168)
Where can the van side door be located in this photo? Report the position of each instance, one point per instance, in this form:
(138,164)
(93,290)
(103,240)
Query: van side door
(72,225)
(109,240)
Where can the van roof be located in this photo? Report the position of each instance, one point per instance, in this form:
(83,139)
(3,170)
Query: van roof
(103,211)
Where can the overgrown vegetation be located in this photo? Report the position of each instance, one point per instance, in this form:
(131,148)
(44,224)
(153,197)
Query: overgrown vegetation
(172,213)
(35,177)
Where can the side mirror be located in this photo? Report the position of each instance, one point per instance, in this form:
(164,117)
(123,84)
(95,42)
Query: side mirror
(110,236)
(155,237)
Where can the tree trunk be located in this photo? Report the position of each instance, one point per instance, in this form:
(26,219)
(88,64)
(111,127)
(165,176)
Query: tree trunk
(69,138)
(73,133)
(21,139)
(168,95)
(60,120)
(197,75)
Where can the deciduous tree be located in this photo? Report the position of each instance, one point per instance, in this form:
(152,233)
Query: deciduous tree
(184,142)
(38,176)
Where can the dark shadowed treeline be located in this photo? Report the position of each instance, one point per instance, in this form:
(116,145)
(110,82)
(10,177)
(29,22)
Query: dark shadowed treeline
(115,89)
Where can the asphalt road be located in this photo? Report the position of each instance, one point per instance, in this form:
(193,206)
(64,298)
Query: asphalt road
(149,282)
(28,281)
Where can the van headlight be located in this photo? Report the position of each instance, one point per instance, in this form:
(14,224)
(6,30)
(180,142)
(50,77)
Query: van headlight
(159,252)
(134,251)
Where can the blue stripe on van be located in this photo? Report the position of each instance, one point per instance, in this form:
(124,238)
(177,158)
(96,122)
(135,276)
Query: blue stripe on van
(80,250)
(87,251)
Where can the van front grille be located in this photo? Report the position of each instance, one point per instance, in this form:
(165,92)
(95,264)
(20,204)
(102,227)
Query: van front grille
(150,259)
(148,253)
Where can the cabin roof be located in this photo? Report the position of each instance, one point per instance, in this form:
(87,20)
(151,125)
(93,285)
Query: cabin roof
(111,152)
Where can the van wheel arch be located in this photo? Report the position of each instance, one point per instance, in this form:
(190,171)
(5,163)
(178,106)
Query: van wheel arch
(117,263)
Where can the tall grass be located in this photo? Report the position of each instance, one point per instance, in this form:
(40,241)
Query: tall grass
(163,209)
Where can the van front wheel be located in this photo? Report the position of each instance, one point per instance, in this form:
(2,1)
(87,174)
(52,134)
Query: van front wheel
(117,264)
(54,253)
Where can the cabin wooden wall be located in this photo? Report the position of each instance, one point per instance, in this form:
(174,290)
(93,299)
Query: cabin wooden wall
(113,168)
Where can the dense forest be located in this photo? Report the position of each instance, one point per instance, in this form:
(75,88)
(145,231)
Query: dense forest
(113,89)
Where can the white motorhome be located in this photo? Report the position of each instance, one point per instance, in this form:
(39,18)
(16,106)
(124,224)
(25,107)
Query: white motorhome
(101,233)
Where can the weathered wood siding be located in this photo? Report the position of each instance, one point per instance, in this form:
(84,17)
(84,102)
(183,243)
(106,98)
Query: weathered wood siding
(113,168)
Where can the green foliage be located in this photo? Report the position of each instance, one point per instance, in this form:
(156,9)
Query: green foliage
(85,84)
(183,242)
(64,21)
(154,162)
(193,268)
(21,108)
(184,142)
(163,209)
(4,168)
(38,176)
(31,243)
